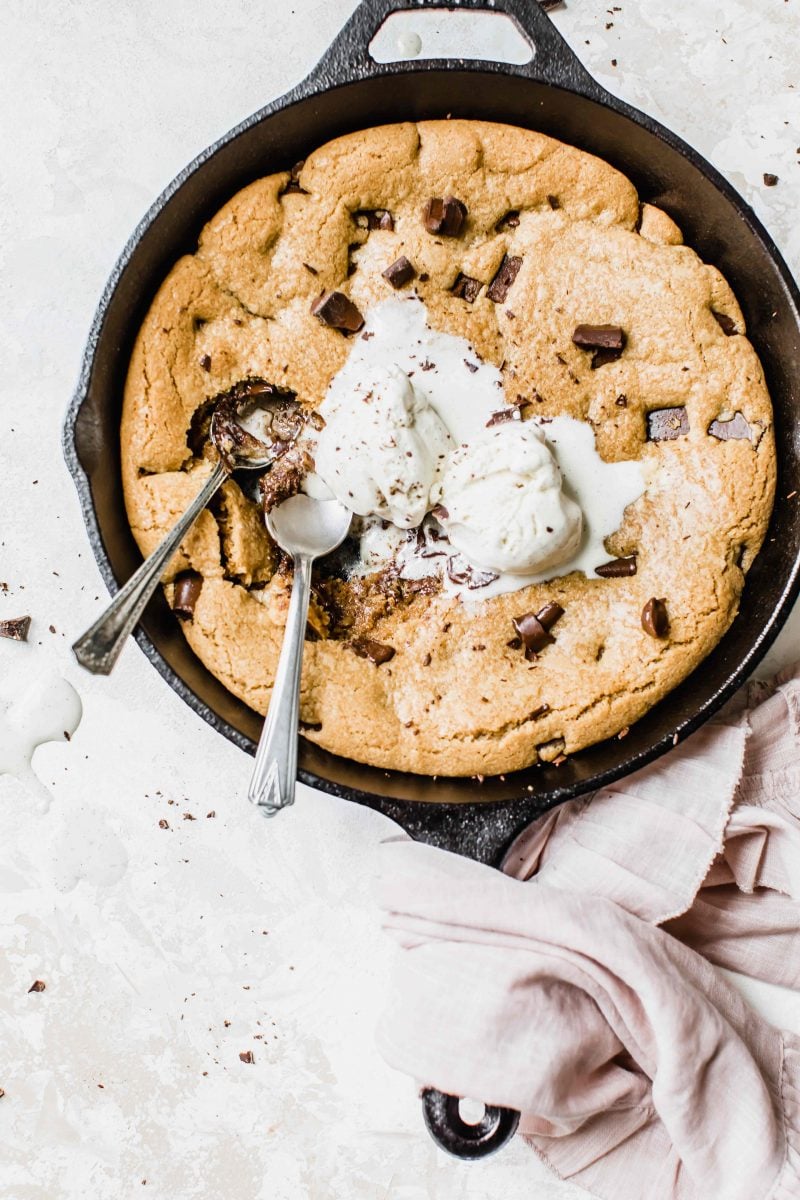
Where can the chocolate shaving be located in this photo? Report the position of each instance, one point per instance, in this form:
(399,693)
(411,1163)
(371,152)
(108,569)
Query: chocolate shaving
(379,218)
(618,568)
(534,628)
(655,620)
(15,628)
(667,424)
(400,272)
(734,429)
(376,652)
(501,284)
(309,267)
(471,366)
(445,217)
(726,323)
(467,288)
(338,311)
(188,586)
(459,571)
(512,413)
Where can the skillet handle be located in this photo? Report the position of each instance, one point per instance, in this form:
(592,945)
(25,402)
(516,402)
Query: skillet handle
(348,59)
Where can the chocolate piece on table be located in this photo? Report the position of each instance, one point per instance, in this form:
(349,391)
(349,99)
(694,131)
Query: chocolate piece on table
(188,586)
(445,217)
(512,413)
(400,272)
(599,337)
(467,288)
(247,1056)
(655,620)
(38,985)
(770,180)
(15,628)
(501,284)
(734,429)
(459,571)
(376,652)
(338,311)
(726,323)
(534,628)
(618,568)
(667,424)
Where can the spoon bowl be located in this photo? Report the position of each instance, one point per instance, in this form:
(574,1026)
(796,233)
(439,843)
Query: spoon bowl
(303,525)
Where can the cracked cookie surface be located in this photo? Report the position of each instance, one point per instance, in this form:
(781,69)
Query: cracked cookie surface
(458,696)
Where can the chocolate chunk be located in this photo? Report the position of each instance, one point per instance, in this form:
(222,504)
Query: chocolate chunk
(599,337)
(400,272)
(654,618)
(726,431)
(512,413)
(424,277)
(247,1056)
(188,586)
(667,424)
(501,284)
(440,512)
(601,357)
(509,221)
(459,571)
(379,218)
(467,288)
(163,824)
(770,180)
(283,419)
(445,217)
(621,401)
(293,186)
(285,478)
(534,628)
(554,202)
(618,568)
(376,652)
(38,985)
(338,311)
(541,711)
(205,362)
(15,628)
(726,323)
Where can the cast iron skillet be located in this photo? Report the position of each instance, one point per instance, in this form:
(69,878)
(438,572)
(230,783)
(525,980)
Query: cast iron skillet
(554,94)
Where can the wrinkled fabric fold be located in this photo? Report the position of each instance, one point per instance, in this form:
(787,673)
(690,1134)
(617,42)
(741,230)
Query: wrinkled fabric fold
(581,986)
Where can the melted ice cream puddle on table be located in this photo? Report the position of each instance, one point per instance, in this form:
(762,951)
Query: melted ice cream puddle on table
(408,412)
(49,710)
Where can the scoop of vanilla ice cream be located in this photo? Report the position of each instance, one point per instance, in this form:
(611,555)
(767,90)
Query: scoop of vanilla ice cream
(382,447)
(502,503)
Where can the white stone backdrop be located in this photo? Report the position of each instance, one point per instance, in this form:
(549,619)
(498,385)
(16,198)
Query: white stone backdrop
(167,952)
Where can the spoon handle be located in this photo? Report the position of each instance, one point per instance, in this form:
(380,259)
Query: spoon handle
(275,772)
(99,648)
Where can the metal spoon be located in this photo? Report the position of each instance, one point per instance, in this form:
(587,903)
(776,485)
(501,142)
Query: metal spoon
(306,529)
(238,448)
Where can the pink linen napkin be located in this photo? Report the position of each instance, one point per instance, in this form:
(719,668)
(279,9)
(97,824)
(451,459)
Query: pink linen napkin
(581,988)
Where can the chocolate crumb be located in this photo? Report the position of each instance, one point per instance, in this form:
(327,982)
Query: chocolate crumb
(376,652)
(308,267)
(509,221)
(400,272)
(246,1056)
(501,284)
(512,413)
(467,288)
(554,202)
(471,366)
(211,814)
(15,628)
(424,277)
(188,586)
(163,824)
(293,185)
(726,323)
(445,217)
(655,620)
(541,711)
(205,362)
(621,400)
(426,662)
(770,180)
(618,568)
(667,424)
(38,985)
(338,311)
(734,429)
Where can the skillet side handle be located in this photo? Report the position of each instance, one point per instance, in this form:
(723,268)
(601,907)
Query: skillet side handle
(452,1134)
(348,59)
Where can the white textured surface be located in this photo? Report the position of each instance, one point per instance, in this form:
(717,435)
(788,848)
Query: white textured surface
(149,939)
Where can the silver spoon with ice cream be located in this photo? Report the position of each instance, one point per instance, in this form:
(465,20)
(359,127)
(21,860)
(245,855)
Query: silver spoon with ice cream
(251,426)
